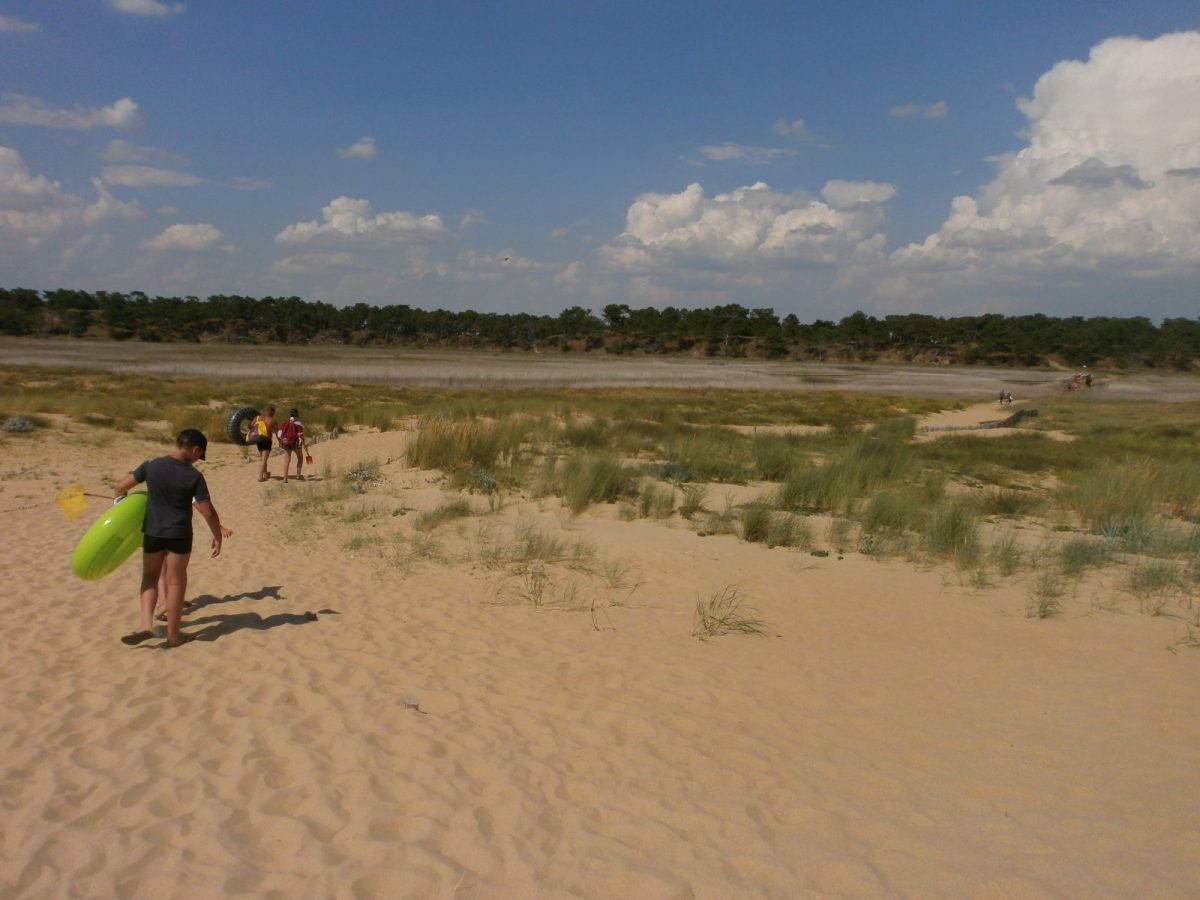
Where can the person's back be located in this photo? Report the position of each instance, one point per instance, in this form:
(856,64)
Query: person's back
(171,486)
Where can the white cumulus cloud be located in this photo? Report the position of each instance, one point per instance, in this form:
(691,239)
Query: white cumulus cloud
(364,148)
(1102,183)
(348,219)
(147,177)
(193,238)
(17,109)
(34,205)
(15,24)
(146,7)
(937,110)
(753,224)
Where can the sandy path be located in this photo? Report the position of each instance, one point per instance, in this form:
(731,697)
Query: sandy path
(896,734)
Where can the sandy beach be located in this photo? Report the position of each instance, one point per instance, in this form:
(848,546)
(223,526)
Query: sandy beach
(896,732)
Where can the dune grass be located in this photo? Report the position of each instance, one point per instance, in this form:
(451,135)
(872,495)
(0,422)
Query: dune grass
(725,612)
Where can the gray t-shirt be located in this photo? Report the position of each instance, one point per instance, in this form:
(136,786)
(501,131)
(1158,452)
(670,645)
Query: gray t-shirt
(171,486)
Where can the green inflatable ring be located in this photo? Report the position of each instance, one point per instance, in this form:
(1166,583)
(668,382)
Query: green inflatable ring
(111,540)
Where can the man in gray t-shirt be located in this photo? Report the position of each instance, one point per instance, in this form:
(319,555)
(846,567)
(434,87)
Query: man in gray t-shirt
(172,484)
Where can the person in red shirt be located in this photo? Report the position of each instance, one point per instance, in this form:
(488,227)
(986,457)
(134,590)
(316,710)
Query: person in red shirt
(291,440)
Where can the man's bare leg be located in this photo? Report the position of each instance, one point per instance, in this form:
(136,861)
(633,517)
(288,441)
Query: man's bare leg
(176,571)
(287,465)
(152,568)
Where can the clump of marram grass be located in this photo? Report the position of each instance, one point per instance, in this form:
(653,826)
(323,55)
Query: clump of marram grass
(952,532)
(839,533)
(655,500)
(763,525)
(775,455)
(893,512)
(1152,582)
(867,464)
(1115,497)
(693,499)
(1005,553)
(1081,553)
(1045,596)
(724,521)
(362,542)
(756,521)
(709,453)
(589,435)
(527,546)
(593,478)
(439,515)
(361,513)
(1010,502)
(724,613)
(458,446)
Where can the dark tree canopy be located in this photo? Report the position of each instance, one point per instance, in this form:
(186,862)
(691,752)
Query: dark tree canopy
(730,330)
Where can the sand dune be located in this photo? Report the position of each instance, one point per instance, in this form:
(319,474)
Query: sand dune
(896,733)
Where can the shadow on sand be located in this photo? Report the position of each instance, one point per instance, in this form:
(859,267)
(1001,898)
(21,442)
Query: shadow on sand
(218,625)
(266,592)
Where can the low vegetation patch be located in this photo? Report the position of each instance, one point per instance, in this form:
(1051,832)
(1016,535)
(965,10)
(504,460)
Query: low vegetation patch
(725,613)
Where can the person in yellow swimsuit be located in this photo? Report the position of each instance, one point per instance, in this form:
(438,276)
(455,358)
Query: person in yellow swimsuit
(262,427)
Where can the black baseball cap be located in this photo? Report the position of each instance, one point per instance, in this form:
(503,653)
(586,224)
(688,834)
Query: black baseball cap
(195,438)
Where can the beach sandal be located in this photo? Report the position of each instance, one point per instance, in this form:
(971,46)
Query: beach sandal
(183,639)
(131,640)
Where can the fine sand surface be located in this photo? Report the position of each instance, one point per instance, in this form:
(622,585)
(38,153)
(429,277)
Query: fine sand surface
(447,368)
(896,733)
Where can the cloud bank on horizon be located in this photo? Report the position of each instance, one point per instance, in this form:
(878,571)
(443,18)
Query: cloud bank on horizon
(1096,210)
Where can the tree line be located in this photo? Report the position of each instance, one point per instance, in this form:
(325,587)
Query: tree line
(725,331)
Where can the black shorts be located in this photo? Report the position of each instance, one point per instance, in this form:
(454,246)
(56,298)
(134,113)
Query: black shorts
(288,448)
(152,544)
(263,444)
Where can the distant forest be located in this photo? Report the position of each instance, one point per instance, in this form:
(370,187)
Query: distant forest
(721,331)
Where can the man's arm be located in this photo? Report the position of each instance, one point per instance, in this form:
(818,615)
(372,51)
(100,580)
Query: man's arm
(123,487)
(205,508)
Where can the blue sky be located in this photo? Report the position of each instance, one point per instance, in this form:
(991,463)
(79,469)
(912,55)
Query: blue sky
(816,158)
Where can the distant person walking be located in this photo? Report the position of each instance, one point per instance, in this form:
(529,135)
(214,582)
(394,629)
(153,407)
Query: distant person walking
(262,427)
(291,440)
(172,484)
